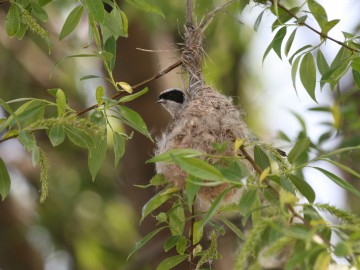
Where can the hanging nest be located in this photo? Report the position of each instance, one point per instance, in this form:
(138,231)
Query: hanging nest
(209,117)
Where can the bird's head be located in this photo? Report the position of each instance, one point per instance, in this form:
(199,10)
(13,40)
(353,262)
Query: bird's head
(173,100)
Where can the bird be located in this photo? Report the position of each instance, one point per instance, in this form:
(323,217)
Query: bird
(200,117)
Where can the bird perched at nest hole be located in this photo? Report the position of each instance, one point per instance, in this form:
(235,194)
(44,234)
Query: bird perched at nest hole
(201,117)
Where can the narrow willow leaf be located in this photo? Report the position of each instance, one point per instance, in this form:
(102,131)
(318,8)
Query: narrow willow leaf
(87,77)
(119,146)
(261,159)
(39,12)
(322,64)
(27,139)
(100,93)
(191,191)
(155,202)
(181,245)
(79,137)
(318,12)
(294,70)
(355,64)
(126,87)
(243,4)
(134,120)
(71,22)
(258,20)
(110,46)
(198,168)
(304,188)
(13,21)
(322,261)
(4,180)
(60,102)
(268,49)
(232,227)
(197,232)
(97,154)
(177,219)
(340,182)
(299,51)
(133,96)
(308,74)
(143,241)
(146,6)
(172,261)
(290,42)
(213,208)
(113,22)
(56,135)
(125,23)
(278,39)
(356,76)
(247,201)
(166,156)
(328,26)
(96,8)
(171,242)
(301,147)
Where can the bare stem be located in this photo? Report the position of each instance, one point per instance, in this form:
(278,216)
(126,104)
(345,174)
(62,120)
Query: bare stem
(191,236)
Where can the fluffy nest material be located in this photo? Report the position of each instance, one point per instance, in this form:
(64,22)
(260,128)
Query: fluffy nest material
(209,117)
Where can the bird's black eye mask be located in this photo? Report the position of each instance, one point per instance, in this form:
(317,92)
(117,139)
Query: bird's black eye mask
(174,95)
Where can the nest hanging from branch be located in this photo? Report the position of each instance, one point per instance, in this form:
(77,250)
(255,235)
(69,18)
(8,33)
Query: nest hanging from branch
(209,117)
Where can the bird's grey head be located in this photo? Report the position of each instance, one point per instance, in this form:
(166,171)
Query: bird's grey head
(173,100)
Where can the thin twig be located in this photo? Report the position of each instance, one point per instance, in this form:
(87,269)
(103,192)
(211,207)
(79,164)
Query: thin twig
(117,95)
(191,236)
(189,13)
(313,29)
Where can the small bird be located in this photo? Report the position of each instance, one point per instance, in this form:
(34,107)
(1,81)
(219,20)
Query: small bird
(199,120)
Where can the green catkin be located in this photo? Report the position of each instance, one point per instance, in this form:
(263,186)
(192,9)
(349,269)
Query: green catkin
(44,183)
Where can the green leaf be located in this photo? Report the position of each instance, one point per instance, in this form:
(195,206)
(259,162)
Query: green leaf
(79,137)
(232,227)
(177,219)
(166,156)
(39,12)
(198,232)
(290,42)
(294,70)
(355,64)
(87,77)
(328,26)
(261,159)
(56,135)
(27,139)
(113,22)
(268,49)
(60,102)
(242,5)
(356,76)
(171,242)
(299,51)
(110,46)
(155,202)
(278,39)
(119,146)
(96,9)
(191,191)
(143,241)
(301,147)
(303,187)
(308,74)
(247,201)
(4,180)
(146,6)
(133,96)
(181,245)
(134,120)
(322,64)
(213,208)
(100,93)
(344,167)
(71,22)
(340,182)
(198,168)
(258,20)
(318,12)
(13,20)
(171,262)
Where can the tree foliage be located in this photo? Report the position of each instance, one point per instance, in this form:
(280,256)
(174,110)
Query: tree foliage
(282,225)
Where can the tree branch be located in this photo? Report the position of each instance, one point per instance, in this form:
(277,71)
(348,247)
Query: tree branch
(324,36)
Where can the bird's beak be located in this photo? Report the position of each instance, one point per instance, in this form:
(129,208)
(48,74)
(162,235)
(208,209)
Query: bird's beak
(160,101)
